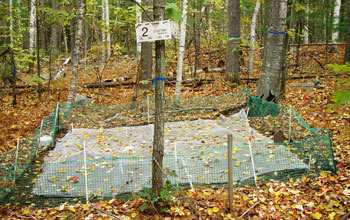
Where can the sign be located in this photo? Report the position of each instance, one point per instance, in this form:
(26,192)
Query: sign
(157,30)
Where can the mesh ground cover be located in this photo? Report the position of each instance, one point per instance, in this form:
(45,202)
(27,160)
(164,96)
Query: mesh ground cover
(119,162)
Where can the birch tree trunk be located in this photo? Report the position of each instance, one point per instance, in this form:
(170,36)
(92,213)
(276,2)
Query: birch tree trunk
(335,33)
(270,79)
(76,52)
(197,34)
(103,34)
(181,51)
(32,29)
(233,53)
(138,20)
(108,35)
(306,26)
(253,37)
(158,141)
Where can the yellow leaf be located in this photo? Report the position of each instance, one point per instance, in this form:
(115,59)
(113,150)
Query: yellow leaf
(245,198)
(316,215)
(215,209)
(331,215)
(133,215)
(26,211)
(323,174)
(210,211)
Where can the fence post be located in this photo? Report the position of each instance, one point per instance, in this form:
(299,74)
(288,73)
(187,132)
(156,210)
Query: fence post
(86,177)
(230,170)
(15,169)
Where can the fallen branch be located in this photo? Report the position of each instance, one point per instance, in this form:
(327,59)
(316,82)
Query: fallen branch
(168,81)
(246,212)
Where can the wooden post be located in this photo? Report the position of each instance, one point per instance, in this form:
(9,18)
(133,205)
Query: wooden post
(230,170)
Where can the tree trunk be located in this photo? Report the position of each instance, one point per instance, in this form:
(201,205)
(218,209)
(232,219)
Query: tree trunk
(138,20)
(253,37)
(270,79)
(335,33)
(53,43)
(158,142)
(197,35)
(76,53)
(38,48)
(108,34)
(181,50)
(233,53)
(103,35)
(306,24)
(32,27)
(347,34)
(146,55)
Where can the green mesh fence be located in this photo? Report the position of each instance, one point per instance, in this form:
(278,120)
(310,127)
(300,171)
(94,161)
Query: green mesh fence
(118,143)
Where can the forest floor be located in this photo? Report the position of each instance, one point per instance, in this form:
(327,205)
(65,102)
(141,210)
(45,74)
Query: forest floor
(325,197)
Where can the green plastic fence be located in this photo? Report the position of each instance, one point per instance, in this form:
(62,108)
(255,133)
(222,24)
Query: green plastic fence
(304,151)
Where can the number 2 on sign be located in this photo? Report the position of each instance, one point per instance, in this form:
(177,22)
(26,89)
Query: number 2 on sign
(144,30)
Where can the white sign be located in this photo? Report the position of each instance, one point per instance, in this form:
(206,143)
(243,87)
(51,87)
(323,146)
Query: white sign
(157,30)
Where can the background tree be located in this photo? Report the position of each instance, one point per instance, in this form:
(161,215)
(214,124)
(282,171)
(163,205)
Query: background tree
(233,53)
(347,34)
(270,79)
(181,53)
(76,51)
(146,54)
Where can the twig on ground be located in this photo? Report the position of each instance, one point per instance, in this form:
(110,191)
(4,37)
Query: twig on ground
(248,210)
(105,212)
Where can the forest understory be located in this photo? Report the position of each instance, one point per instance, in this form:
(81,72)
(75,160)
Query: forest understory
(325,197)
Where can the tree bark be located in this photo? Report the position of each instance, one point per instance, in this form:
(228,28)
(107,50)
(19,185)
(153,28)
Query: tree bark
(103,35)
(233,53)
(181,50)
(76,53)
(347,34)
(108,30)
(270,79)
(306,25)
(32,29)
(138,20)
(197,34)
(253,37)
(146,55)
(335,33)
(158,142)
(53,39)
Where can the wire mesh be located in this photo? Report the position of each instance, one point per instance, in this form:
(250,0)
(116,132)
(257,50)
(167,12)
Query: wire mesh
(302,150)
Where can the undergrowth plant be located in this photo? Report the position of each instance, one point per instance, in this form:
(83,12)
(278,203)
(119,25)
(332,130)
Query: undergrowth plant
(341,97)
(167,195)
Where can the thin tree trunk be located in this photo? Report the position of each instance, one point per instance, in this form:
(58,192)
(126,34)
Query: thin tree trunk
(146,55)
(270,79)
(197,35)
(306,26)
(32,27)
(103,35)
(253,37)
(233,53)
(335,33)
(158,142)
(38,48)
(347,34)
(138,20)
(108,35)
(181,50)
(76,52)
